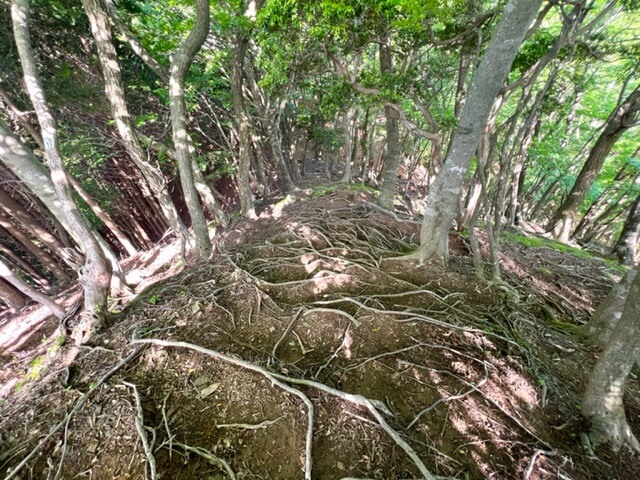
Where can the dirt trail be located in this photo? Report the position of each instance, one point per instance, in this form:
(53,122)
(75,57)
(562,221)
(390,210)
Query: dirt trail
(305,344)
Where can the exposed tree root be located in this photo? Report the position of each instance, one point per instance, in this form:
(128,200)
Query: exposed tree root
(65,421)
(278,379)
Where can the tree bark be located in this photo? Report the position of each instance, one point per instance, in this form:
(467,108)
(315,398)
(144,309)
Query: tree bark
(620,120)
(116,95)
(11,297)
(485,84)
(95,275)
(41,255)
(29,291)
(393,154)
(180,64)
(606,317)
(627,245)
(603,400)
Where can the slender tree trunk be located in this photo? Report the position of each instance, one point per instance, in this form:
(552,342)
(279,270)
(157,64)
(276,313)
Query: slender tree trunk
(20,263)
(247,208)
(350,142)
(28,290)
(606,317)
(485,85)
(393,154)
(627,245)
(95,275)
(41,255)
(120,111)
(102,215)
(621,119)
(11,297)
(134,44)
(603,401)
(180,64)
(31,224)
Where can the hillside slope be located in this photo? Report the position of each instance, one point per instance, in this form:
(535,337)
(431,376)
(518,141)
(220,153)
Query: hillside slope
(305,342)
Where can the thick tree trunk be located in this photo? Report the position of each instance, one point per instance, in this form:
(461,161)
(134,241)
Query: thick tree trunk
(95,275)
(120,111)
(485,85)
(29,291)
(393,153)
(627,245)
(603,400)
(620,120)
(180,64)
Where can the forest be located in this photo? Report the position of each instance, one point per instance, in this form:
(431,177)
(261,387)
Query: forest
(319,239)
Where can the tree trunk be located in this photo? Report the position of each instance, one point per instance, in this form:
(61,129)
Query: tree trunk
(627,244)
(393,154)
(32,293)
(247,208)
(602,403)
(95,275)
(350,142)
(10,296)
(135,45)
(102,215)
(604,320)
(41,255)
(181,61)
(485,85)
(16,210)
(620,120)
(120,111)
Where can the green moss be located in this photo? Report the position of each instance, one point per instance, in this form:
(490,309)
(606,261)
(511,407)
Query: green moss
(537,242)
(324,190)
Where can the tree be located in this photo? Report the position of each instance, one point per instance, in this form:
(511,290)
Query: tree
(95,275)
(28,290)
(627,245)
(116,95)
(485,84)
(181,61)
(624,117)
(602,404)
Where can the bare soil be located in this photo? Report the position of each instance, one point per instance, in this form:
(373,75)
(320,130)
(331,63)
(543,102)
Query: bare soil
(476,380)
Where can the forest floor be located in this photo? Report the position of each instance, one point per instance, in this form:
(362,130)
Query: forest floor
(306,338)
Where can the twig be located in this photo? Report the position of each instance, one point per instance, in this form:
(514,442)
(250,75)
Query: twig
(452,397)
(532,462)
(249,426)
(209,456)
(73,411)
(345,339)
(148,448)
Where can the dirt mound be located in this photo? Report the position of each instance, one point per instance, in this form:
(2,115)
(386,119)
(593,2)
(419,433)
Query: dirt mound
(304,345)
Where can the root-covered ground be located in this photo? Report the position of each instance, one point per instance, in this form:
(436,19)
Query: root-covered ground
(307,349)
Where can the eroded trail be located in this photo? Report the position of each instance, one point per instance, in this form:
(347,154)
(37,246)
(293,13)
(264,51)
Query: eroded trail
(306,349)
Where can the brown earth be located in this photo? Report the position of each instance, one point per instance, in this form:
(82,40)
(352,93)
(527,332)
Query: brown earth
(475,380)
